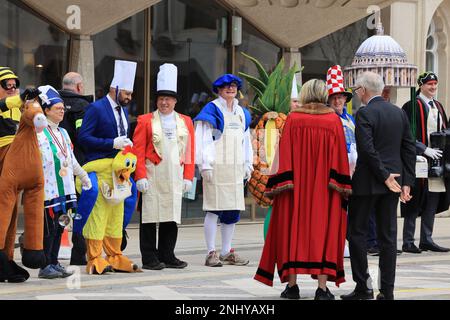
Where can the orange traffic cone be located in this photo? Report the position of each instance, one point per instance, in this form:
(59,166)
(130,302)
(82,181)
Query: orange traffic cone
(66,248)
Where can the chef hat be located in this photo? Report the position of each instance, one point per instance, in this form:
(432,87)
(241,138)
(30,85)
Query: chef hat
(166,85)
(49,96)
(294,91)
(124,74)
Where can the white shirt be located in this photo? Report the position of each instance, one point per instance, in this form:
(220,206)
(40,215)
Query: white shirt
(116,115)
(204,143)
(433,113)
(169,125)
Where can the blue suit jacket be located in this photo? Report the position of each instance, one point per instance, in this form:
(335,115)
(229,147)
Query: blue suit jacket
(98,130)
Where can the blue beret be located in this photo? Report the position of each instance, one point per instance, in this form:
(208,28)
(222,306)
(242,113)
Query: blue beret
(226,79)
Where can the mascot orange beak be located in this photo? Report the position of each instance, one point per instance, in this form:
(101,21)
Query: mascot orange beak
(123,175)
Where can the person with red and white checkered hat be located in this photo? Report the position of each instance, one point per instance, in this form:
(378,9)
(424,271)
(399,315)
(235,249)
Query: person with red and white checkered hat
(337,98)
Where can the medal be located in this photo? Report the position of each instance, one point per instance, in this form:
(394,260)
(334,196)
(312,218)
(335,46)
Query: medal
(62,172)
(62,154)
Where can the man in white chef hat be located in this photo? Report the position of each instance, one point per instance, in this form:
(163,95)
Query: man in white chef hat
(164,146)
(103,134)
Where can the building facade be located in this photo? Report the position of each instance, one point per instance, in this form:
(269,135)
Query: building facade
(43,39)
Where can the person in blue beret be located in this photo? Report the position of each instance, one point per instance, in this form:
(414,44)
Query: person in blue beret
(224,157)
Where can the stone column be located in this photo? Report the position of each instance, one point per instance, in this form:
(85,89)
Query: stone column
(291,56)
(81,60)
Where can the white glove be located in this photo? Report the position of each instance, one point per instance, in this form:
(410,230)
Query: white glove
(86,183)
(433,153)
(121,142)
(207,175)
(142,185)
(187,185)
(248,171)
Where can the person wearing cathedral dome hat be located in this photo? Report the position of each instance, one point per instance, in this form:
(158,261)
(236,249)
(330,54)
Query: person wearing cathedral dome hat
(430,195)
(225,159)
(165,149)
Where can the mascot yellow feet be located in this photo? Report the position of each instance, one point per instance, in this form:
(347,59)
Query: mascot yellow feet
(115,258)
(96,263)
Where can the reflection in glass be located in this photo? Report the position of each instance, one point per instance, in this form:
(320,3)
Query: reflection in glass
(38,58)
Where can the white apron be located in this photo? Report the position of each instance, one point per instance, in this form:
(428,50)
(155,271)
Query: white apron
(226,190)
(162,201)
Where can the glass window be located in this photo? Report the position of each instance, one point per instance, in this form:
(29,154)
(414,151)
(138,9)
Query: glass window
(431,49)
(123,41)
(190,35)
(34,49)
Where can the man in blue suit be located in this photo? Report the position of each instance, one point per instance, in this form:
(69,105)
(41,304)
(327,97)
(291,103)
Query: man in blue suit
(104,133)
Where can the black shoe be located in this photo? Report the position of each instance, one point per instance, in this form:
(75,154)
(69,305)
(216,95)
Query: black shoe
(374,251)
(323,295)
(291,292)
(433,247)
(176,264)
(411,248)
(154,266)
(382,296)
(358,295)
(399,252)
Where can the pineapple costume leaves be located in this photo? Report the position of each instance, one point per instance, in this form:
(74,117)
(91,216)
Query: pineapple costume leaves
(272,104)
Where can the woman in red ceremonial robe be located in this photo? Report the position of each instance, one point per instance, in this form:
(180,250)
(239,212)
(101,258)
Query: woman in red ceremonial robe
(308,225)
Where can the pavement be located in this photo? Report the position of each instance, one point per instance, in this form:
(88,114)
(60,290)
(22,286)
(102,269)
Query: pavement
(424,276)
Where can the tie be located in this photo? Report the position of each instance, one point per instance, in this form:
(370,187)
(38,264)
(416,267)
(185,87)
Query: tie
(438,118)
(431,104)
(121,126)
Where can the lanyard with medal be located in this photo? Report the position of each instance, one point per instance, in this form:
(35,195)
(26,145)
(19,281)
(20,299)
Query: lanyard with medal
(62,153)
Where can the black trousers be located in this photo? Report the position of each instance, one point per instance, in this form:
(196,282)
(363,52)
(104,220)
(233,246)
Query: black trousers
(360,209)
(167,238)
(52,237)
(426,222)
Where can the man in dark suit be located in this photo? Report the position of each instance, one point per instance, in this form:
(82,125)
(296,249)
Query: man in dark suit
(103,133)
(384,170)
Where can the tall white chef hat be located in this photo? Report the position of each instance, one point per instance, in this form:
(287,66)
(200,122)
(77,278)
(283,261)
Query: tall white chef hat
(294,91)
(124,74)
(166,84)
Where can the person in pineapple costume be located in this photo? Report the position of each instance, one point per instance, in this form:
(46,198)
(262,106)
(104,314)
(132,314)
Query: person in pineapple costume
(225,158)
(103,134)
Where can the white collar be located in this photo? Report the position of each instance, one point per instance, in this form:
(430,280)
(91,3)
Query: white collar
(52,125)
(224,104)
(111,101)
(167,116)
(425,99)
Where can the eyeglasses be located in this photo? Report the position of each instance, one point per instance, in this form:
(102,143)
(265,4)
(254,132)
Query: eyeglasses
(230,86)
(8,86)
(356,89)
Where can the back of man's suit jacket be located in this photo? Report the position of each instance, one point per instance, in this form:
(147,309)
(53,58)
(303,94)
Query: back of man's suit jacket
(385,145)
